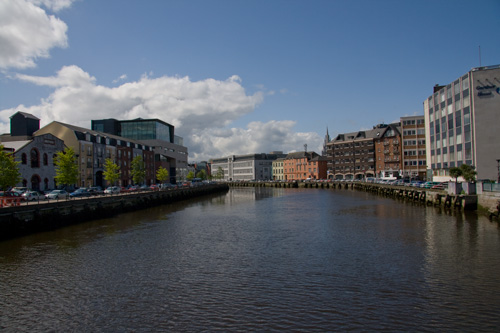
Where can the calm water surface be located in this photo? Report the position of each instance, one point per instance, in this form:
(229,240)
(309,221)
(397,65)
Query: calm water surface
(259,260)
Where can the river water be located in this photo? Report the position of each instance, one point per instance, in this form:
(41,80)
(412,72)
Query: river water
(259,259)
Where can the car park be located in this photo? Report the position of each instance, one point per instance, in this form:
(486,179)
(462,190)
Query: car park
(57,194)
(32,196)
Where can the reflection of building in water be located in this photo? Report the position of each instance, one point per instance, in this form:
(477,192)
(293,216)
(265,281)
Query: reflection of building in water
(245,194)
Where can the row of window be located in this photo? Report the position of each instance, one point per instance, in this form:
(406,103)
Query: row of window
(34,158)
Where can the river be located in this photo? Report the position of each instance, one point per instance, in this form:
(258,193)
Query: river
(259,259)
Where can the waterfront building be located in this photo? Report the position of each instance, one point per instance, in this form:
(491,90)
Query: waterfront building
(414,150)
(93,147)
(388,152)
(35,154)
(460,120)
(352,155)
(245,167)
(168,147)
(304,166)
(278,172)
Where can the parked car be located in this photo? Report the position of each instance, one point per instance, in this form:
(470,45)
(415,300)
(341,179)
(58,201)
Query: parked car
(144,188)
(97,190)
(428,184)
(32,196)
(440,186)
(57,194)
(20,190)
(154,187)
(81,192)
(10,194)
(112,190)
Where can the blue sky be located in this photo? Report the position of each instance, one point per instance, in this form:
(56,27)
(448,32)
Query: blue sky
(238,77)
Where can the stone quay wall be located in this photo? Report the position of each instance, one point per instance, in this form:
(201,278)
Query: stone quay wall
(31,218)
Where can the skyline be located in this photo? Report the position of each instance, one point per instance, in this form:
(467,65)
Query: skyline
(237,78)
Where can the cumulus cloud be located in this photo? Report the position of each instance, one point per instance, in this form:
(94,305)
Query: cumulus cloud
(201,111)
(27,32)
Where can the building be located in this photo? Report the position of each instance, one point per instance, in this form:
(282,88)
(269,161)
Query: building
(35,154)
(278,173)
(92,148)
(388,159)
(304,166)
(245,167)
(460,120)
(414,150)
(352,155)
(168,148)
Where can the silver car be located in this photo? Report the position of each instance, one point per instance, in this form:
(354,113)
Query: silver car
(57,194)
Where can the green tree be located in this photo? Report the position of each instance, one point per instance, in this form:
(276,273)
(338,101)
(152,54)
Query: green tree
(468,172)
(190,175)
(220,174)
(455,172)
(66,167)
(9,172)
(111,171)
(138,170)
(202,174)
(162,174)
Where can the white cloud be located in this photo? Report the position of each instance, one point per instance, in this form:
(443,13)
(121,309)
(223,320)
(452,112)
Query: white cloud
(121,78)
(201,111)
(27,32)
(54,5)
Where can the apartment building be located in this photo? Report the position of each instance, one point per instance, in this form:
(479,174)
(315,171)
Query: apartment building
(168,148)
(93,147)
(414,150)
(388,159)
(352,155)
(460,120)
(278,173)
(304,166)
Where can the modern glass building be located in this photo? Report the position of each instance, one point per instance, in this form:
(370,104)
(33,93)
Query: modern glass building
(461,121)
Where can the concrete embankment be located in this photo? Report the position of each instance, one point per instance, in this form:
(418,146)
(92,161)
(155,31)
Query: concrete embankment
(25,219)
(483,203)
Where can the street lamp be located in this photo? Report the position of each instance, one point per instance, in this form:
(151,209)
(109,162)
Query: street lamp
(498,166)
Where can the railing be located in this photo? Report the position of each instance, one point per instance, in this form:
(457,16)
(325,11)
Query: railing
(491,187)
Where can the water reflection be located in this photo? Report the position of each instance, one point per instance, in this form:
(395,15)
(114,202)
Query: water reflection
(259,259)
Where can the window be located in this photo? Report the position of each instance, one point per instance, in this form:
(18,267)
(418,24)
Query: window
(35,158)
(45,159)
(466,119)
(24,158)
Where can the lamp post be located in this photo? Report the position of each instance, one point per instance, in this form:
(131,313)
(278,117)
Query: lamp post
(498,166)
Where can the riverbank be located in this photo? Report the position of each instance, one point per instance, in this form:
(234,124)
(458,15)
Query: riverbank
(26,219)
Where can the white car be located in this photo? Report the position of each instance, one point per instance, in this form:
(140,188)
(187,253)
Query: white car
(57,194)
(112,190)
(32,196)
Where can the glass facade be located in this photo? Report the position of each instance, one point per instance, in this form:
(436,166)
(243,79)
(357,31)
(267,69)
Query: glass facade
(145,130)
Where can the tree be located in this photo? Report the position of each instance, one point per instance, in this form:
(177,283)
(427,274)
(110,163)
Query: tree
(9,172)
(220,174)
(455,172)
(190,175)
(66,167)
(111,171)
(468,172)
(202,174)
(162,174)
(138,170)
